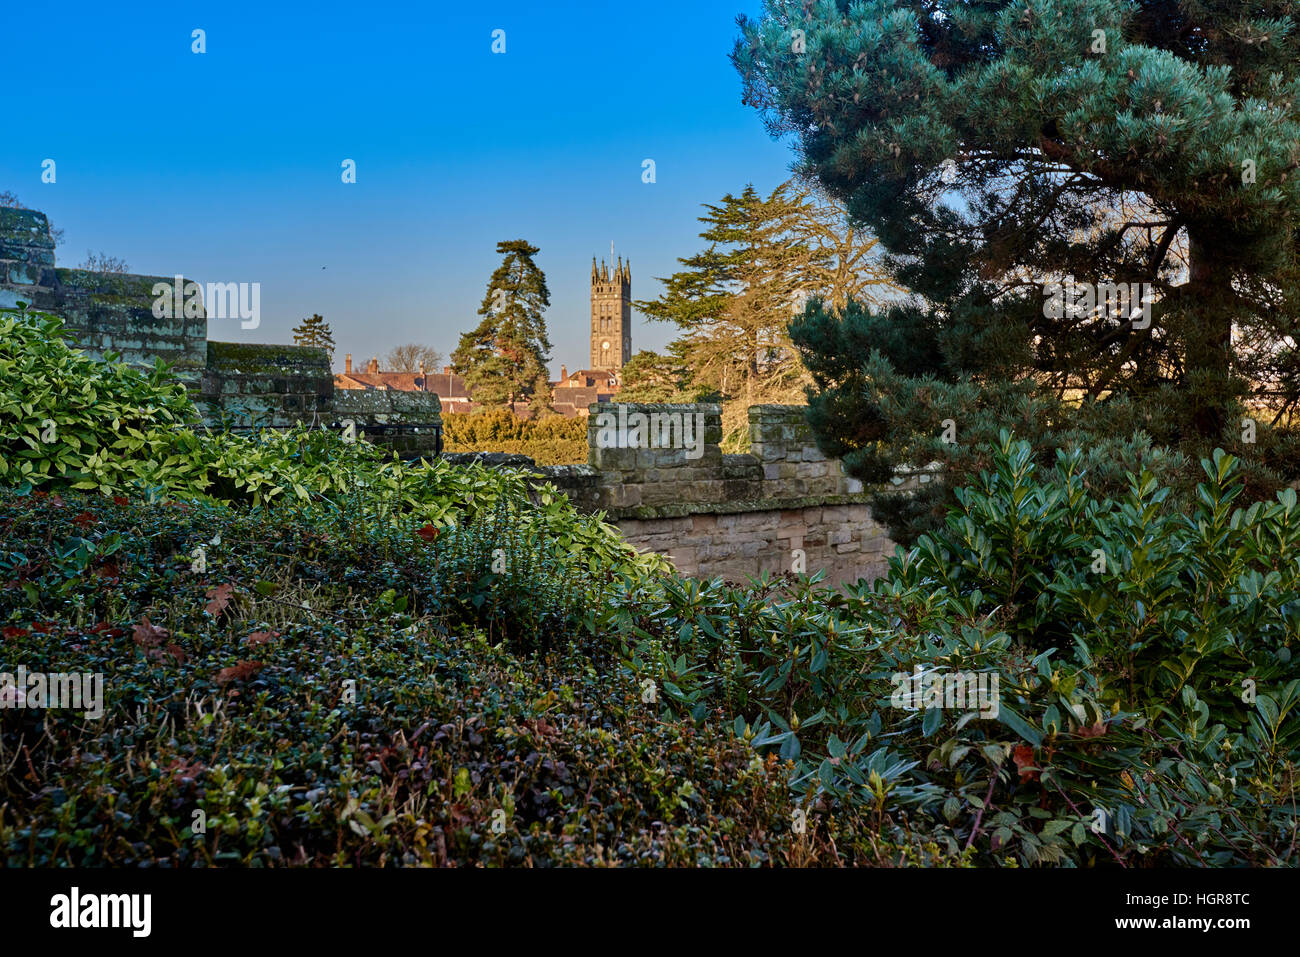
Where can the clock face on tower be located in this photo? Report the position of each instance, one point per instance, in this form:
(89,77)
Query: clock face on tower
(604,345)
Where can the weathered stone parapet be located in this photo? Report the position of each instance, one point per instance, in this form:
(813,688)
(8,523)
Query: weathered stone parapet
(783,507)
(388,406)
(636,438)
(649,467)
(102,312)
(272,386)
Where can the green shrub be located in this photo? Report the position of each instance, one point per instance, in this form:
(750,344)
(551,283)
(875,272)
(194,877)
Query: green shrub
(550,440)
(1145,713)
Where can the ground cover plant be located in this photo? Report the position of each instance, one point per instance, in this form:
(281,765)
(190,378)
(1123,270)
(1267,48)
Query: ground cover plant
(316,699)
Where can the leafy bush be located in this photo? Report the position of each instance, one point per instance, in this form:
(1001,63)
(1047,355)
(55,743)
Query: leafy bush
(1147,712)
(65,416)
(1160,599)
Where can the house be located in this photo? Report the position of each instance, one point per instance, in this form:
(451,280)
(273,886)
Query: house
(449,387)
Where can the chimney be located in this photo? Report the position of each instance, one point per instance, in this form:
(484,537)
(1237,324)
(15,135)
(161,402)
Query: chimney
(446,370)
(373,365)
(347,363)
(564,374)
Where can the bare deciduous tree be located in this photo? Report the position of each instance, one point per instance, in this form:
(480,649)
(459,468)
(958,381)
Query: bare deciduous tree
(102,262)
(408,358)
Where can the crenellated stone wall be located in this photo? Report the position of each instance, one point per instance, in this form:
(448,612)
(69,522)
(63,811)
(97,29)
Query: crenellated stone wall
(416,411)
(782,507)
(272,386)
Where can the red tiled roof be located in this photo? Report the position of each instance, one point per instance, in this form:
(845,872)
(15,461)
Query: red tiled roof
(445,385)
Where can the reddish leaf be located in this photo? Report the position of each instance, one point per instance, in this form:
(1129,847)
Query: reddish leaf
(1023,755)
(260,638)
(239,672)
(428,533)
(220,596)
(175,652)
(43,627)
(149,635)
(13,631)
(119,500)
(85,520)
(182,771)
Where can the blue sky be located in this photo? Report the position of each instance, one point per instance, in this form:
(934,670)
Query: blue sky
(225,166)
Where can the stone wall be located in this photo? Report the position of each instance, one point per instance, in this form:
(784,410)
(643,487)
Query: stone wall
(238,384)
(104,312)
(266,385)
(782,507)
(415,411)
(842,540)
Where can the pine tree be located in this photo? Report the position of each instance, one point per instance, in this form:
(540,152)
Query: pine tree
(504,359)
(315,332)
(998,148)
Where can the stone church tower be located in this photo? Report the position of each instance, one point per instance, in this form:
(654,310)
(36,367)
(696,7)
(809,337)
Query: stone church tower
(611,315)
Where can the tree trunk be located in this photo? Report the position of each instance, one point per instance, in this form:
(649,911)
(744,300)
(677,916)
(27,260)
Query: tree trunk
(1210,305)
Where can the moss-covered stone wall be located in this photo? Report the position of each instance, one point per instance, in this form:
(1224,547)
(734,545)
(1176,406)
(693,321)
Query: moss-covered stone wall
(104,312)
(267,385)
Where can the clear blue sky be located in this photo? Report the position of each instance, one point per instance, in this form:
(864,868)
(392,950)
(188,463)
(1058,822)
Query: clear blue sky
(226,166)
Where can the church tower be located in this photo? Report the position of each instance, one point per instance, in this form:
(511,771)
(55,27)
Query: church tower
(611,315)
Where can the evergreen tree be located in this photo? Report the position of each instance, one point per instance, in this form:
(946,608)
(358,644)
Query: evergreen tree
(998,148)
(504,360)
(315,332)
(734,301)
(651,377)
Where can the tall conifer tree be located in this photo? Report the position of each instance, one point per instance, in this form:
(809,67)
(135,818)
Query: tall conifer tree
(504,359)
